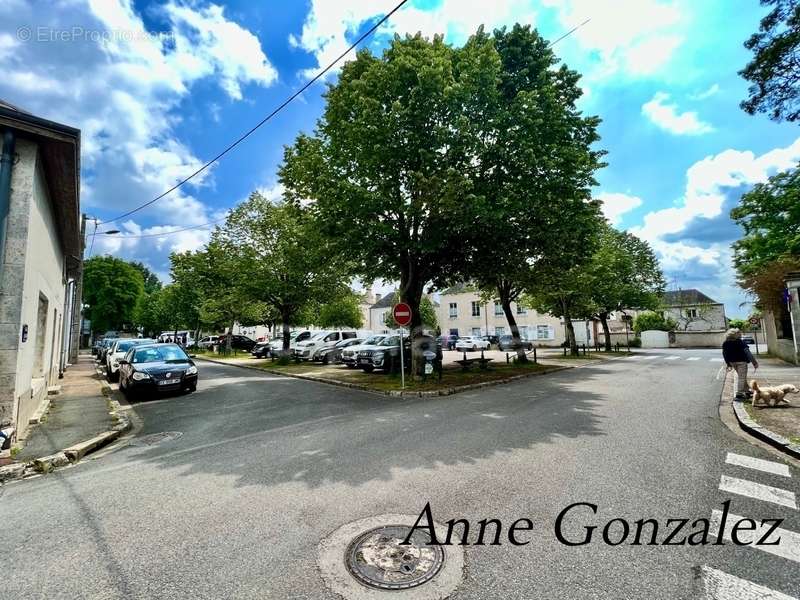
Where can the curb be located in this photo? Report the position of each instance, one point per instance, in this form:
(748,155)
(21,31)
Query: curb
(753,428)
(72,454)
(395,393)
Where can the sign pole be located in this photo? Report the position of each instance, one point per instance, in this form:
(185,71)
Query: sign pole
(402,363)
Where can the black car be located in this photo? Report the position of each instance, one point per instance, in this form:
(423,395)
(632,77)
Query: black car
(333,354)
(447,342)
(493,340)
(239,342)
(154,368)
(261,349)
(506,342)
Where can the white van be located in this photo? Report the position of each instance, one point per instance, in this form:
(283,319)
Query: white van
(309,349)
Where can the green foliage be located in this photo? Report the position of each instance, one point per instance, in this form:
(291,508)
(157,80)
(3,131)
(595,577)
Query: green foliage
(652,321)
(741,324)
(344,311)
(112,289)
(635,342)
(774,70)
(427,311)
(151,281)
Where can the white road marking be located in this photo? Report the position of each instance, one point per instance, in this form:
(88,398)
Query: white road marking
(716,359)
(672,358)
(719,585)
(788,547)
(693,358)
(493,415)
(759,491)
(634,356)
(652,357)
(759,464)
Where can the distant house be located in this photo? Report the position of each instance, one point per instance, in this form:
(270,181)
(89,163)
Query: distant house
(378,311)
(40,259)
(692,310)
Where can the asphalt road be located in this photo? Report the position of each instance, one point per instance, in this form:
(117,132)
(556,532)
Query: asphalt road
(267,466)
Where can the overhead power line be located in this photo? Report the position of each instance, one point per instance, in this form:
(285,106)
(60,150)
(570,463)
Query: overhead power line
(122,235)
(253,129)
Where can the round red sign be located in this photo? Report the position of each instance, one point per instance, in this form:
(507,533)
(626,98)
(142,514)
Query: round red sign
(402,314)
(754,320)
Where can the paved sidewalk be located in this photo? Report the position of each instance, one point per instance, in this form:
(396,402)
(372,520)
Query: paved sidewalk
(783,419)
(78,413)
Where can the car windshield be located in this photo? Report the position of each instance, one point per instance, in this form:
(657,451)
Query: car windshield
(128,344)
(319,336)
(373,340)
(390,341)
(167,353)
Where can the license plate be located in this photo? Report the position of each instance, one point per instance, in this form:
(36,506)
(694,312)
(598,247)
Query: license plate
(363,361)
(169,381)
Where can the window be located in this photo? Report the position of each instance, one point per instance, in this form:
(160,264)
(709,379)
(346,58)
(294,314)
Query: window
(499,330)
(691,313)
(523,332)
(41,327)
(332,337)
(453,310)
(454,332)
(544,332)
(476,331)
(498,309)
(476,309)
(521,310)
(349,335)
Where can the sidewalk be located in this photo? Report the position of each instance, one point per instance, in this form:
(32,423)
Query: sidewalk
(783,419)
(78,413)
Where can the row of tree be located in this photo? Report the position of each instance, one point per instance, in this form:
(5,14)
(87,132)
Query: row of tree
(430,165)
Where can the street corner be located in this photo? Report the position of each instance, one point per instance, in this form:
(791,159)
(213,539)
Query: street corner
(367,560)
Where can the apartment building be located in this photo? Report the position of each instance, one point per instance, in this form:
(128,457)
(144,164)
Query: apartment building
(461,312)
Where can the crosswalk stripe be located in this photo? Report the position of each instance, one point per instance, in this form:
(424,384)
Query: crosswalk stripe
(693,358)
(788,547)
(652,357)
(759,464)
(634,356)
(759,491)
(672,358)
(716,360)
(719,585)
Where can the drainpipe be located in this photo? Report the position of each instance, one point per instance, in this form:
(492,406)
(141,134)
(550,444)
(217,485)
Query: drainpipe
(6,165)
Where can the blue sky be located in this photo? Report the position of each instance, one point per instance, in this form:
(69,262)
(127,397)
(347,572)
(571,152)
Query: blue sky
(159,87)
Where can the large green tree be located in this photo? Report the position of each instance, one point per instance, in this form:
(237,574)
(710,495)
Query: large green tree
(151,281)
(774,71)
(283,261)
(342,311)
(534,168)
(624,273)
(112,289)
(388,170)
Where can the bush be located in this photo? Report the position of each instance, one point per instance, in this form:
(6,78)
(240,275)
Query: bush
(651,321)
(635,343)
(283,360)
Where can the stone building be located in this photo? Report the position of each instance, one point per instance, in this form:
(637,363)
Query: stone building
(40,259)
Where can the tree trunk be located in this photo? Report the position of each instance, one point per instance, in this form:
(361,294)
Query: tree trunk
(286,339)
(573,344)
(606,332)
(229,339)
(505,302)
(411,294)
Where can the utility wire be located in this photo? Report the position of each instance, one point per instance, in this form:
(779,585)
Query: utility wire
(569,33)
(148,235)
(285,103)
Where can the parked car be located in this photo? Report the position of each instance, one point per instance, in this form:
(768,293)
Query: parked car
(239,342)
(448,342)
(748,339)
(206,342)
(506,342)
(350,354)
(492,339)
(154,368)
(310,348)
(380,355)
(104,346)
(183,337)
(471,342)
(333,354)
(261,350)
(117,351)
(276,345)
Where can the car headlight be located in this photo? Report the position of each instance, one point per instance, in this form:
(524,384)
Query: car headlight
(191,370)
(378,356)
(138,376)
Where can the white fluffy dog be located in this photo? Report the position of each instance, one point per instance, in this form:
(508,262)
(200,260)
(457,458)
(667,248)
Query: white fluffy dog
(773,395)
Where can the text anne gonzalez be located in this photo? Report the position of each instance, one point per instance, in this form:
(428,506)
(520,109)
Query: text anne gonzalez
(611,532)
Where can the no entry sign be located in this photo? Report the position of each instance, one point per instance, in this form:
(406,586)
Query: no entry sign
(754,321)
(402,314)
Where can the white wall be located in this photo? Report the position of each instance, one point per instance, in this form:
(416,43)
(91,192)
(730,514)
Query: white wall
(655,339)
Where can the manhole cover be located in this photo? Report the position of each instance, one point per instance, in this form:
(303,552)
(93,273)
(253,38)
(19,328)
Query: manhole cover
(377,558)
(156,438)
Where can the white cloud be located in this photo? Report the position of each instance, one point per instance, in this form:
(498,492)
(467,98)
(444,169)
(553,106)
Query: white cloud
(124,92)
(615,205)
(330,27)
(666,116)
(711,91)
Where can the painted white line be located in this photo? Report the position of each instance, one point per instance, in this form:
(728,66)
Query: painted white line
(634,357)
(759,491)
(759,464)
(693,358)
(788,546)
(672,358)
(716,359)
(718,585)
(652,357)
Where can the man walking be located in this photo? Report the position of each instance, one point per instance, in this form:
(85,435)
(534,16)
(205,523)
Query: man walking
(737,355)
